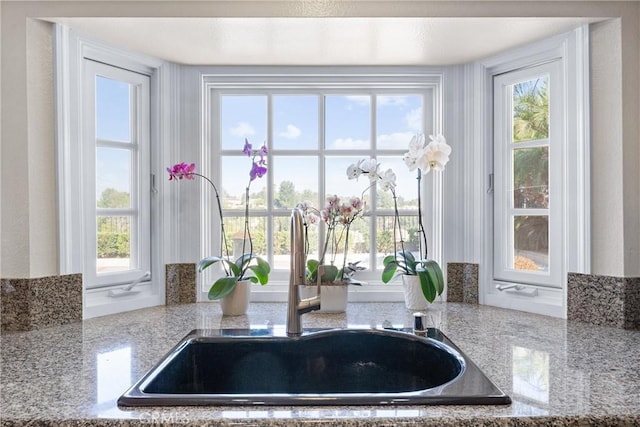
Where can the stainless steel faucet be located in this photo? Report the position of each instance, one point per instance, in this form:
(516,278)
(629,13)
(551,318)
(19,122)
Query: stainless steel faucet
(296,307)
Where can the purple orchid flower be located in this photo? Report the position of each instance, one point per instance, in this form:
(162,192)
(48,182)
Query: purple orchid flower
(257,171)
(247,148)
(182,170)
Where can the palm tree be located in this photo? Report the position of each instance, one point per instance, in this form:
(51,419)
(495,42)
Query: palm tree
(531,165)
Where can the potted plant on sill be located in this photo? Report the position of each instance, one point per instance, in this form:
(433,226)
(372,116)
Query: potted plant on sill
(337,217)
(422,278)
(233,287)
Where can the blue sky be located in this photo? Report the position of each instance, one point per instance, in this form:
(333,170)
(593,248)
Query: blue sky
(113,165)
(295,122)
(295,127)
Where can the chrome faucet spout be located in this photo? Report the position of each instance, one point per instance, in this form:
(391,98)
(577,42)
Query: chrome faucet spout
(296,306)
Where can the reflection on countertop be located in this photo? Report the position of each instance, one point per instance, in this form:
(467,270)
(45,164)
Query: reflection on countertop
(554,370)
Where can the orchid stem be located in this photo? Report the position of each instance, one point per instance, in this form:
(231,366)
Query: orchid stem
(422,236)
(224,247)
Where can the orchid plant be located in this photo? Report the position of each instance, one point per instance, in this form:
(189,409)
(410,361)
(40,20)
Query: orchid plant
(337,217)
(248,266)
(422,157)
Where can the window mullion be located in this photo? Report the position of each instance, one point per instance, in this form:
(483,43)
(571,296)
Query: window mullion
(269,224)
(322,159)
(116,212)
(374,214)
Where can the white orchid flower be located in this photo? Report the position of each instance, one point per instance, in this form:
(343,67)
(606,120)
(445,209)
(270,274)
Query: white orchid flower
(436,154)
(411,160)
(388,180)
(438,139)
(416,145)
(370,167)
(353,171)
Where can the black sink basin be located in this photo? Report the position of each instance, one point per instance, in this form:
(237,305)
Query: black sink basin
(340,367)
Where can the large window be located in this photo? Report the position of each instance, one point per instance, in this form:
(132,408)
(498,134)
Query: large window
(312,137)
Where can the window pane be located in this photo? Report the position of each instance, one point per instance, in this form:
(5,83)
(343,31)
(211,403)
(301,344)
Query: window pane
(282,243)
(385,236)
(398,119)
(406,185)
(531,110)
(113,178)
(234,230)
(114,243)
(243,117)
(113,104)
(531,178)
(337,182)
(531,242)
(235,178)
(359,243)
(347,122)
(295,122)
(295,180)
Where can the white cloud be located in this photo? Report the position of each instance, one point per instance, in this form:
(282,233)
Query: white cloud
(242,130)
(414,119)
(357,101)
(360,100)
(395,140)
(292,132)
(392,100)
(349,143)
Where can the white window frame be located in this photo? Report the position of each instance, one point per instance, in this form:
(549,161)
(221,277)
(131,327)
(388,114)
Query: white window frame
(310,81)
(503,272)
(139,149)
(75,176)
(572,49)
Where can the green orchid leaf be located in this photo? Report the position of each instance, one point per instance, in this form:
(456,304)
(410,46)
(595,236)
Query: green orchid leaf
(388,259)
(427,284)
(261,272)
(389,271)
(209,261)
(234,269)
(408,257)
(243,260)
(329,273)
(312,265)
(312,269)
(222,287)
(263,264)
(435,271)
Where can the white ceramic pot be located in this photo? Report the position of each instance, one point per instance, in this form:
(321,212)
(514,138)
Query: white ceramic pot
(413,297)
(237,302)
(333,298)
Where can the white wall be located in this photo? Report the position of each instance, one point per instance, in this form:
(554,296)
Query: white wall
(43,223)
(607,147)
(29,235)
(0,140)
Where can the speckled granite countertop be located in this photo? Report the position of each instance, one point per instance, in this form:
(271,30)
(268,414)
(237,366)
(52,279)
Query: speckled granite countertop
(557,372)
